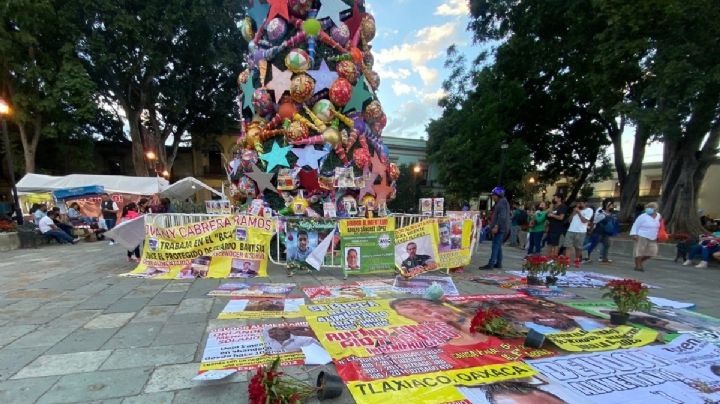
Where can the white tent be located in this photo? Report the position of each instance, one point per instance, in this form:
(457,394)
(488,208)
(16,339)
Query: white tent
(37,183)
(186,188)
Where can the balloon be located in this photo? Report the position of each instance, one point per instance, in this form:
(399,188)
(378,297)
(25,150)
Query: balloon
(297,60)
(246,29)
(332,136)
(287,110)
(262,102)
(243,77)
(393,171)
(299,8)
(340,34)
(323,109)
(367,28)
(346,69)
(368,59)
(340,92)
(302,87)
(276,29)
(357,55)
(373,111)
(361,157)
(297,131)
(374,80)
(312,27)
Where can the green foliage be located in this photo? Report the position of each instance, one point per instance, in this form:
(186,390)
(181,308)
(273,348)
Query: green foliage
(409,191)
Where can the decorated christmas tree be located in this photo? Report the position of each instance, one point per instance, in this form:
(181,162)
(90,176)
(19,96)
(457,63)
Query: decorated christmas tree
(310,141)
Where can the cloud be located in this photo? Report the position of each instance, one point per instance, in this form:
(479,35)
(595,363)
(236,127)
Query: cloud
(396,74)
(410,118)
(400,88)
(429,76)
(431,44)
(453,8)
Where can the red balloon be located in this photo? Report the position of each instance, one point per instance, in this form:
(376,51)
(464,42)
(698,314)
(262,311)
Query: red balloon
(287,110)
(340,92)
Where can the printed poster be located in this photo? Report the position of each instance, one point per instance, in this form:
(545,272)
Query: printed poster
(438,206)
(221,247)
(416,249)
(420,284)
(218,207)
(581,279)
(426,206)
(339,293)
(247,347)
(641,375)
(367,245)
(531,390)
(261,308)
(547,293)
(252,290)
(455,239)
(302,237)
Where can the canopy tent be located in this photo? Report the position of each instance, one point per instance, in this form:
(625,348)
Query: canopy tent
(186,188)
(78,192)
(37,183)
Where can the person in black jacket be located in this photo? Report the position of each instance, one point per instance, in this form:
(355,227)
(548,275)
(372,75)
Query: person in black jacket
(499,226)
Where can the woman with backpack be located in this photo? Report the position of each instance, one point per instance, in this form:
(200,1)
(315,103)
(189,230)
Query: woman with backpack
(604,227)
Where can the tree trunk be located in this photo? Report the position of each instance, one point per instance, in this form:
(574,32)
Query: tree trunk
(30,143)
(678,201)
(138,149)
(630,182)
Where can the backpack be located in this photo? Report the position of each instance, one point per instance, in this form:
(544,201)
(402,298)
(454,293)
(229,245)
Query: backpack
(610,226)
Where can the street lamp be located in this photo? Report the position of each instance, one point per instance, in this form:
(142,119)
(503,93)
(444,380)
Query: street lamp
(417,169)
(531,181)
(5,111)
(503,146)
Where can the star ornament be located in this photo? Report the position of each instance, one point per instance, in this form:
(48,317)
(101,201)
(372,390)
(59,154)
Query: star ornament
(360,94)
(382,191)
(258,12)
(262,179)
(353,23)
(248,90)
(309,181)
(378,167)
(276,157)
(308,156)
(280,82)
(369,183)
(278,7)
(324,77)
(332,9)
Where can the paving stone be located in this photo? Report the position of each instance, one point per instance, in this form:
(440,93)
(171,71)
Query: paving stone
(147,290)
(123,287)
(74,318)
(193,306)
(9,334)
(63,364)
(134,335)
(154,314)
(97,386)
(188,318)
(39,316)
(42,337)
(154,398)
(179,377)
(99,302)
(153,356)
(163,299)
(177,287)
(231,393)
(201,287)
(25,390)
(83,340)
(180,333)
(92,288)
(126,305)
(12,360)
(113,320)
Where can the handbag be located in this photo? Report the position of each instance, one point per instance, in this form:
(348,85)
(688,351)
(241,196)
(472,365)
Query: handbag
(662,233)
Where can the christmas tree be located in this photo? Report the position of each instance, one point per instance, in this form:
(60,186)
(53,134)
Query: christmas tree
(311,123)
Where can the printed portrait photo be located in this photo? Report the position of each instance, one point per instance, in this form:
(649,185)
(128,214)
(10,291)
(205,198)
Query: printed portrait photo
(241,268)
(352,258)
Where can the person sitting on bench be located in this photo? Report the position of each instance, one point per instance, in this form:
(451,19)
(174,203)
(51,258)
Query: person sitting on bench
(709,245)
(48,228)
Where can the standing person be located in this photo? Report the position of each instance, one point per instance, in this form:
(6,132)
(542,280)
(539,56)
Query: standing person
(603,215)
(109,210)
(575,236)
(645,233)
(130,212)
(48,228)
(556,224)
(143,206)
(537,229)
(515,225)
(499,226)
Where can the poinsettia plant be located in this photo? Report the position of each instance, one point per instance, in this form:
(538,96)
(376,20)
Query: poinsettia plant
(490,321)
(7,226)
(628,295)
(268,385)
(536,264)
(559,265)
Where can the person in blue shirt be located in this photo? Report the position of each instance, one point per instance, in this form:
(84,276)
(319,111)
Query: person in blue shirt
(302,251)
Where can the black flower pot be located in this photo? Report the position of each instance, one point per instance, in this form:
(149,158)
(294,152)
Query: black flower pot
(551,280)
(533,280)
(534,339)
(329,386)
(617,318)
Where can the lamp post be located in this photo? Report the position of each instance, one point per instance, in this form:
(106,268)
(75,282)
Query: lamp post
(5,110)
(503,147)
(152,157)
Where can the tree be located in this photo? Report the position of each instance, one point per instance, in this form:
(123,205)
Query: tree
(408,191)
(48,87)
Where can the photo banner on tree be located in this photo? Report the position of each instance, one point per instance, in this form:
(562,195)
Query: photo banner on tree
(221,247)
(304,242)
(376,341)
(416,250)
(261,308)
(454,242)
(367,245)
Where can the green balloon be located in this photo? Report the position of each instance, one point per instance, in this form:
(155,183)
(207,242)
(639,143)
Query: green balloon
(312,27)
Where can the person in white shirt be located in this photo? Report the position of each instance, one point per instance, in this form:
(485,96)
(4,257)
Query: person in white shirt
(645,233)
(575,236)
(281,340)
(48,228)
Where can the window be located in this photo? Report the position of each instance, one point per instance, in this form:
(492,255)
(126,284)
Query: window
(655,186)
(215,160)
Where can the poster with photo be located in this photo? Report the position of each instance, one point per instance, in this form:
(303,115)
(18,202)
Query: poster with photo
(454,242)
(262,307)
(438,206)
(532,390)
(302,237)
(367,245)
(218,207)
(419,285)
(416,248)
(339,293)
(241,268)
(242,289)
(426,206)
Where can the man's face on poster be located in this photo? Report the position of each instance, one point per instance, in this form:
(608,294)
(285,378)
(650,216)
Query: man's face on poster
(246,266)
(352,258)
(303,241)
(444,235)
(422,310)
(279,334)
(538,314)
(411,250)
(534,397)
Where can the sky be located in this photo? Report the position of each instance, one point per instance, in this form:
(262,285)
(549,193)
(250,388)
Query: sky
(409,50)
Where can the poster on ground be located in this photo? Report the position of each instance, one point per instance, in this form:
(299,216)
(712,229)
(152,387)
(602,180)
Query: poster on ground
(247,347)
(547,293)
(261,308)
(416,250)
(420,284)
(302,237)
(531,390)
(454,242)
(581,279)
(252,290)
(339,293)
(682,373)
(221,247)
(367,245)
(417,343)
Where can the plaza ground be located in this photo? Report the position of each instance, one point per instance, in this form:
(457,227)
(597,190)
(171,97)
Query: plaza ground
(71,330)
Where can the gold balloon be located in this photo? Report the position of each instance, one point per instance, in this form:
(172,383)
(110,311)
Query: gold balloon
(332,136)
(246,29)
(252,136)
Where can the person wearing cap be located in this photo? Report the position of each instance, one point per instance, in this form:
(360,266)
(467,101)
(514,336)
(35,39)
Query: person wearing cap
(499,226)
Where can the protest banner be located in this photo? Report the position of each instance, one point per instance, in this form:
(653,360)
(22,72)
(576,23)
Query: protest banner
(641,375)
(530,390)
(426,206)
(302,237)
(454,242)
(260,308)
(545,292)
(501,280)
(221,207)
(438,206)
(581,279)
(221,247)
(419,285)
(701,356)
(252,290)
(247,347)
(603,339)
(416,248)
(367,245)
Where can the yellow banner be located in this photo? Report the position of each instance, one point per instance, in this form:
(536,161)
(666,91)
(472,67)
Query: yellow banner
(437,387)
(222,247)
(603,339)
(262,308)
(455,237)
(416,248)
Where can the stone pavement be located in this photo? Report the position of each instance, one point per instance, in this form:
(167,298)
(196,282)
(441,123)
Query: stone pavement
(71,330)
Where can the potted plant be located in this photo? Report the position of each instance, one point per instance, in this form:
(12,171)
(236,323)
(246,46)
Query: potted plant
(490,322)
(628,295)
(268,385)
(535,266)
(557,267)
(9,239)
(329,386)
